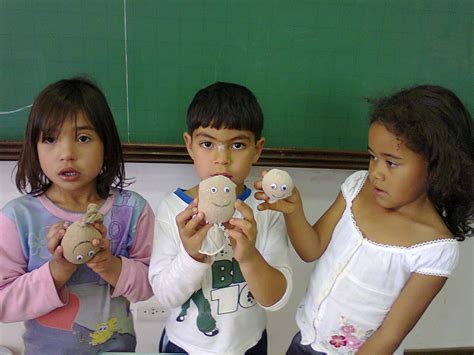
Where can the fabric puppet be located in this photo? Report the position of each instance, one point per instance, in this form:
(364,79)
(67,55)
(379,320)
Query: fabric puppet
(77,241)
(277,184)
(216,200)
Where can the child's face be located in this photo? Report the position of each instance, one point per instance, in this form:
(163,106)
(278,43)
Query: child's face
(228,152)
(398,175)
(72,157)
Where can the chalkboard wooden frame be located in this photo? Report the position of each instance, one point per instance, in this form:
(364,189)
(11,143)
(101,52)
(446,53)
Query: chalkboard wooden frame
(173,154)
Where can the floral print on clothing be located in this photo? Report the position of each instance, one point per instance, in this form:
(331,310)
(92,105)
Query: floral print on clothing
(349,337)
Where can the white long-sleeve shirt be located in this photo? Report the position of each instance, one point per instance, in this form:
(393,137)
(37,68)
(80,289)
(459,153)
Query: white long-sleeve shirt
(175,277)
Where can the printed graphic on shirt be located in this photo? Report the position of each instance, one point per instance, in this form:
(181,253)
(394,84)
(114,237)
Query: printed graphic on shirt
(103,332)
(229,293)
(348,337)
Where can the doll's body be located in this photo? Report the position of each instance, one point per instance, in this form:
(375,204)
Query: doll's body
(216,200)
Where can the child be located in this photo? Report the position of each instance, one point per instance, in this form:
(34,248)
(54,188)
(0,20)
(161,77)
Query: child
(388,243)
(72,157)
(218,303)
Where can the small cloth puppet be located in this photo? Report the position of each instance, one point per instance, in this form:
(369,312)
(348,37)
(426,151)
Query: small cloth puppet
(216,200)
(277,184)
(77,241)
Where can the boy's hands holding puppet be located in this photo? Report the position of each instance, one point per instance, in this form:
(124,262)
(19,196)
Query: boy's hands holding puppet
(193,229)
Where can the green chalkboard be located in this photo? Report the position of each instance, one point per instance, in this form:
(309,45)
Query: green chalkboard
(311,64)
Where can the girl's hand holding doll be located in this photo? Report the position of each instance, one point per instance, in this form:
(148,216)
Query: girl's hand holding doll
(61,269)
(104,263)
(287,205)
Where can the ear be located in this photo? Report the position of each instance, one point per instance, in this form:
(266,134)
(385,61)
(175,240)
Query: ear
(258,149)
(188,141)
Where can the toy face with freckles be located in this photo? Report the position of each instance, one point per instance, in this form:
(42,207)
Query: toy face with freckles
(216,198)
(277,184)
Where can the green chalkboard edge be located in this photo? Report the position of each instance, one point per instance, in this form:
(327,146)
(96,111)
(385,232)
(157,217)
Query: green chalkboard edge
(172,154)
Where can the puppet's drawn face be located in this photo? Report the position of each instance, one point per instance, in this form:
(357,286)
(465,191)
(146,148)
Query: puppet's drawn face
(277,184)
(103,331)
(217,198)
(77,243)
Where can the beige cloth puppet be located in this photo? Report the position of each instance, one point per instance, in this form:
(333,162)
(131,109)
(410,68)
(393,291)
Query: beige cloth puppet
(216,200)
(277,184)
(77,241)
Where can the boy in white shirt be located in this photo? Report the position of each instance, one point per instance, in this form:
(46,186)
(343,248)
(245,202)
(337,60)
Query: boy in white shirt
(231,290)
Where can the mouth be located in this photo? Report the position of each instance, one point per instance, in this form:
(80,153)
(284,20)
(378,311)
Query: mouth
(223,174)
(218,205)
(69,174)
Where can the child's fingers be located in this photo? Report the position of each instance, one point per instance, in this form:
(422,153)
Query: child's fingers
(183,217)
(244,209)
(194,223)
(241,224)
(258,184)
(261,196)
(54,237)
(101,228)
(102,243)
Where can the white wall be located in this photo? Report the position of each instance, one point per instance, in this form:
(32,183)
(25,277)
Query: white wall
(447,323)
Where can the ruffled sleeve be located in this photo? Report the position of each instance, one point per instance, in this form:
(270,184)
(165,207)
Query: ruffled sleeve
(437,258)
(351,187)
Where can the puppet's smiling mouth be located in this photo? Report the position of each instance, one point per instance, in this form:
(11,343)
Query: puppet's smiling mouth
(224,205)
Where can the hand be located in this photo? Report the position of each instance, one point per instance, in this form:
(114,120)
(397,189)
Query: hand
(243,233)
(287,205)
(104,263)
(192,229)
(61,269)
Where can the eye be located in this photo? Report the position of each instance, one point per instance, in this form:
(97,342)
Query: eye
(49,140)
(391,164)
(238,146)
(371,157)
(83,139)
(284,187)
(102,328)
(206,145)
(226,189)
(273,186)
(79,258)
(90,253)
(213,189)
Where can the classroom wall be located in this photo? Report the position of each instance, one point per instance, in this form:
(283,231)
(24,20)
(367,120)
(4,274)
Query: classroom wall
(447,323)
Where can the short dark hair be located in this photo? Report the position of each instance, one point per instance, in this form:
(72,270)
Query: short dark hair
(433,122)
(225,105)
(57,102)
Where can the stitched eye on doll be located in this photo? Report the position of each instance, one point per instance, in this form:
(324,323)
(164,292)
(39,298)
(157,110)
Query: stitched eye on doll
(213,189)
(226,189)
(273,186)
(79,257)
(284,187)
(90,253)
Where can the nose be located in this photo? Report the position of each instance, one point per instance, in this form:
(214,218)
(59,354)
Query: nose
(67,150)
(376,170)
(222,156)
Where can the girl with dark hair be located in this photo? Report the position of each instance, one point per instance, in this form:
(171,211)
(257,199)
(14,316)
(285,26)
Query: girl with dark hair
(72,157)
(388,243)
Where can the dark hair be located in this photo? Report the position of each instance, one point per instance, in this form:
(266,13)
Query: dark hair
(433,122)
(57,102)
(225,105)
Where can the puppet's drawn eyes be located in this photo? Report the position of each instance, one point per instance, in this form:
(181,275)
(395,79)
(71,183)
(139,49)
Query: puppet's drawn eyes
(90,253)
(226,189)
(213,189)
(79,257)
(103,328)
(273,186)
(284,187)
